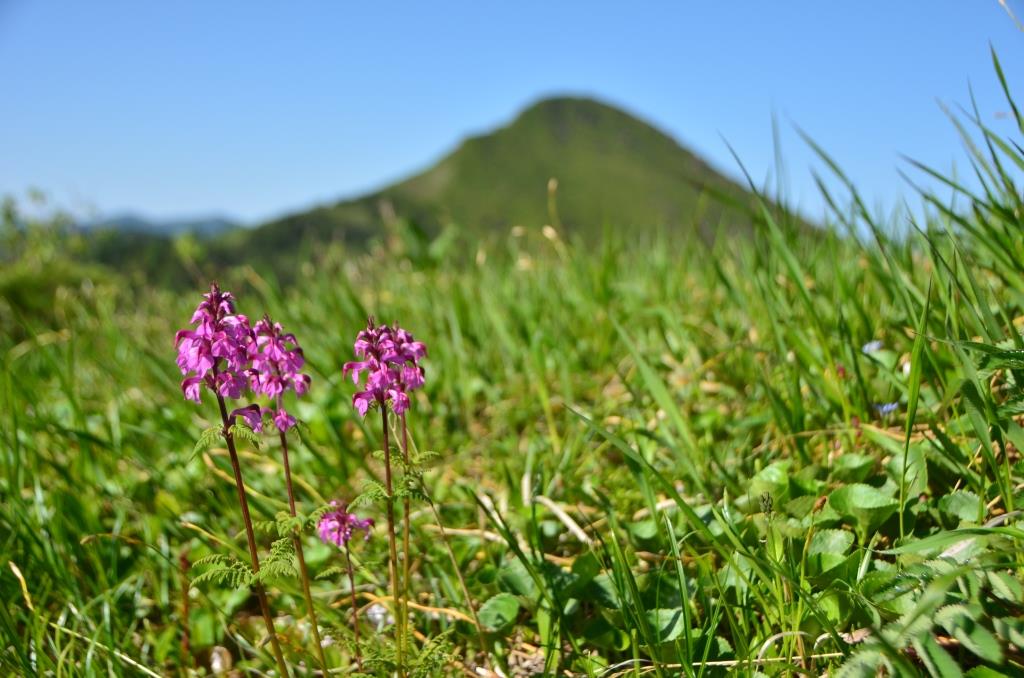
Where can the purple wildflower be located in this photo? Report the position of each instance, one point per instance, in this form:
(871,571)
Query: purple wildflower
(252,415)
(406,348)
(282,420)
(872,347)
(383,385)
(375,346)
(390,357)
(885,409)
(337,525)
(218,351)
(276,366)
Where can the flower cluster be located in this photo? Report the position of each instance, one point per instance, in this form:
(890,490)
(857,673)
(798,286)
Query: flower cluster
(229,356)
(337,525)
(218,351)
(390,356)
(275,368)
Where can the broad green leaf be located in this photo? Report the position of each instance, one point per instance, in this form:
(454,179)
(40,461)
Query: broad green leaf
(1005,586)
(773,479)
(995,358)
(601,633)
(962,505)
(852,468)
(916,478)
(863,662)
(514,576)
(585,568)
(1010,629)
(959,623)
(866,506)
(830,541)
(601,589)
(828,549)
(499,611)
(644,529)
(954,540)
(936,660)
(666,623)
(985,672)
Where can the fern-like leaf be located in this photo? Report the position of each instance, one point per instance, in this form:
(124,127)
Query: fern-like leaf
(373,492)
(287,525)
(240,431)
(332,572)
(280,564)
(265,526)
(421,458)
(433,657)
(226,571)
(212,559)
(411,492)
(207,440)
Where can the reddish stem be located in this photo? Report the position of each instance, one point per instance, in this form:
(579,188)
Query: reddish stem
(186,637)
(250,536)
(303,571)
(406,551)
(355,607)
(396,586)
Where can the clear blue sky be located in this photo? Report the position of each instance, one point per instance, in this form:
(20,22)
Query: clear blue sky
(252,109)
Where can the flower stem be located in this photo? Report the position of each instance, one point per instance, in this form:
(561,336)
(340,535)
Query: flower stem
(303,571)
(355,607)
(186,639)
(406,560)
(261,594)
(396,586)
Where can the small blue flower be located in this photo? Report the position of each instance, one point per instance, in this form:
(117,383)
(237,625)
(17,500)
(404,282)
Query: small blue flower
(885,409)
(872,347)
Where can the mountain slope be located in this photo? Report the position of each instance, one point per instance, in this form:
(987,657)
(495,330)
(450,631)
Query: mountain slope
(612,170)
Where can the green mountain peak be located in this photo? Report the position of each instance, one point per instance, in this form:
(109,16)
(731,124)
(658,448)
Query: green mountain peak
(612,169)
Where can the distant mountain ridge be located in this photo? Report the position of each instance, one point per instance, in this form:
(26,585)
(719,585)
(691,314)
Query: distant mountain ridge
(612,169)
(203,226)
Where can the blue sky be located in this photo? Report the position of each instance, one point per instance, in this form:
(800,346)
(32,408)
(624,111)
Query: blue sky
(253,109)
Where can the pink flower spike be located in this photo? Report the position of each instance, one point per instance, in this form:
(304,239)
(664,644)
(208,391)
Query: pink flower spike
(216,353)
(390,357)
(277,359)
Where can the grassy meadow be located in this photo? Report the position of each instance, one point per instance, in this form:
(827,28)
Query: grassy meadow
(772,455)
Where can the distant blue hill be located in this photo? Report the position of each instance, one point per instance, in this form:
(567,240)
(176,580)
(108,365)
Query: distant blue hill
(203,227)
